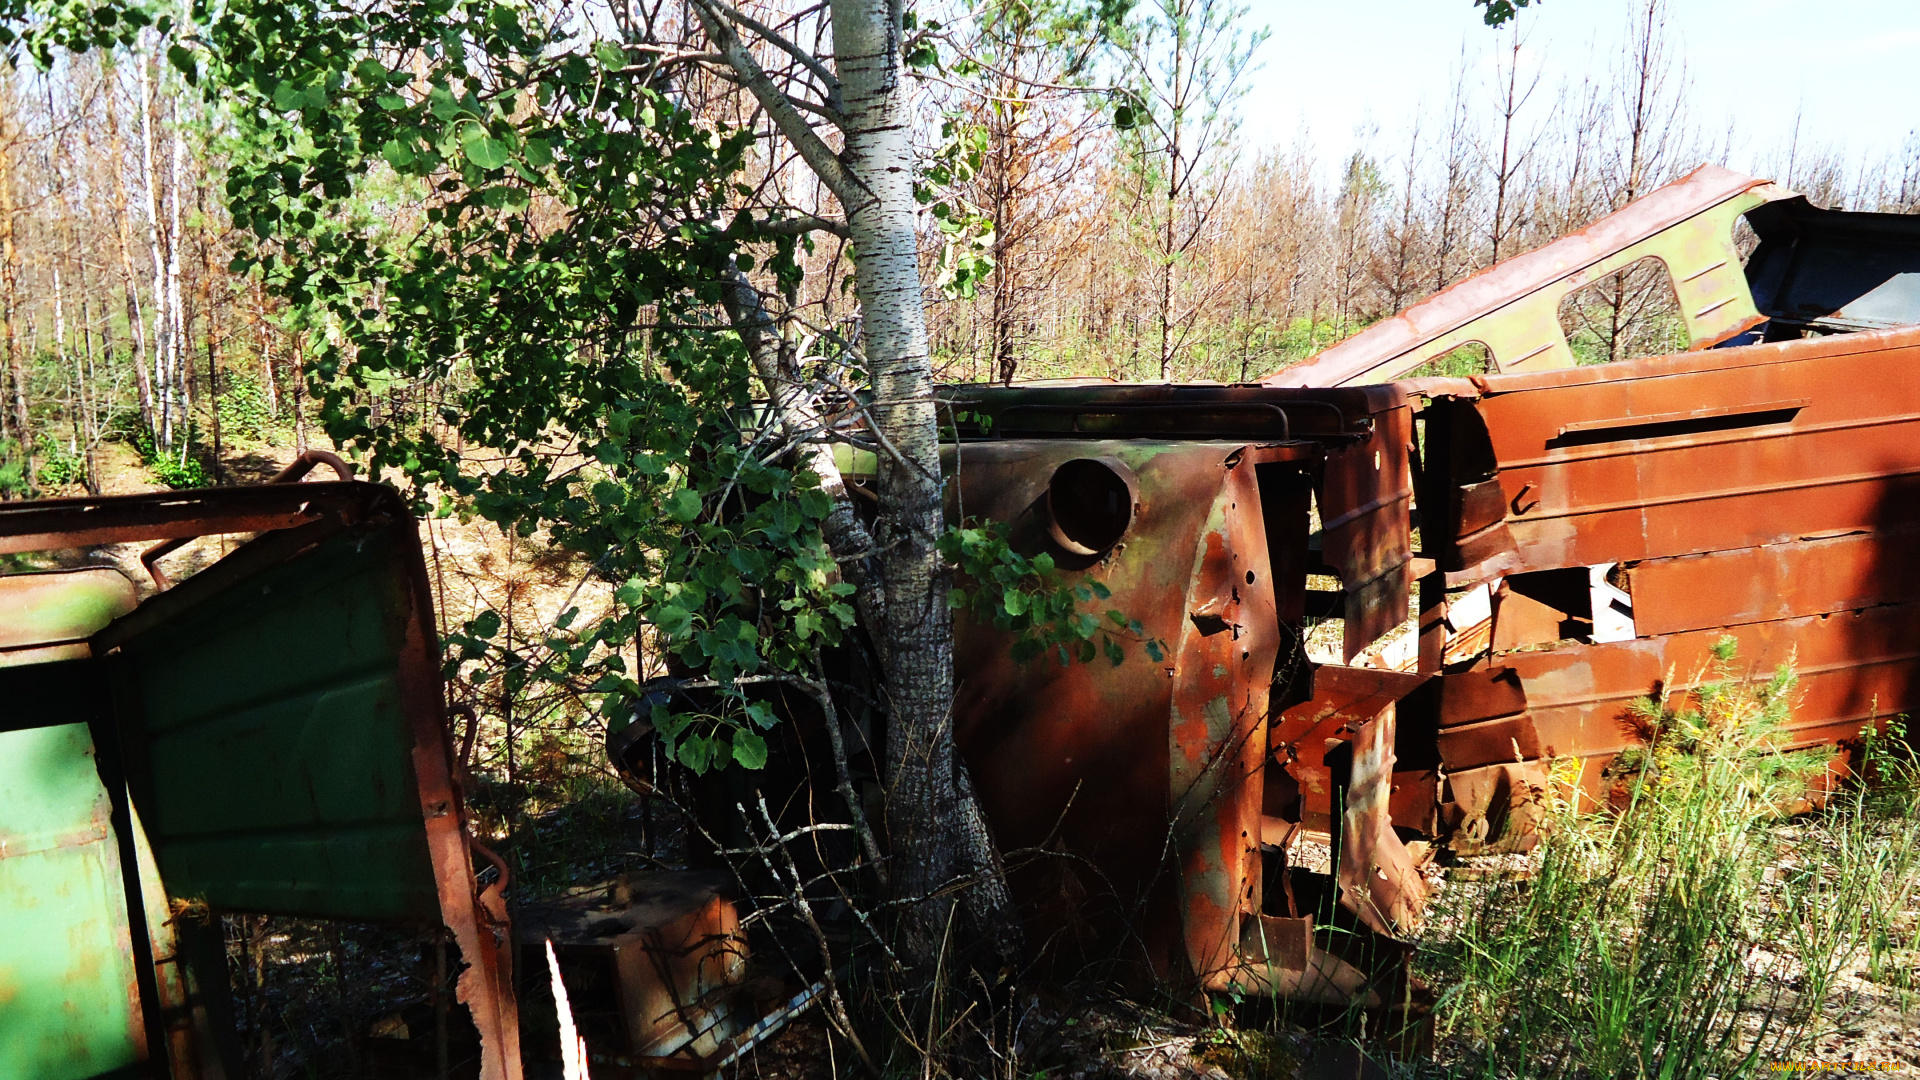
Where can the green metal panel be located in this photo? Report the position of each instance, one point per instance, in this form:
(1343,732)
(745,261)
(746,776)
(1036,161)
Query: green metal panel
(38,609)
(68,998)
(277,770)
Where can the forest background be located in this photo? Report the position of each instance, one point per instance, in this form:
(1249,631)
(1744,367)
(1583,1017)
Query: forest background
(1071,235)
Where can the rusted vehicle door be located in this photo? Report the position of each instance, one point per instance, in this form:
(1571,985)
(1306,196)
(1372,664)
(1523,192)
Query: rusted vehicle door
(1764,493)
(270,739)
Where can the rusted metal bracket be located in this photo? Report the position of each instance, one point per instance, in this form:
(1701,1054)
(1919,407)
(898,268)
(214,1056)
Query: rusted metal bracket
(292,474)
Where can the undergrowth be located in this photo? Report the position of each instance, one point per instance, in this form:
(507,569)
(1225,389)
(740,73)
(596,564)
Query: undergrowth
(1688,929)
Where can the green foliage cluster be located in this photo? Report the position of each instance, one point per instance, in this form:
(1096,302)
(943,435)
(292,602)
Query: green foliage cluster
(243,409)
(583,344)
(178,469)
(40,29)
(522,243)
(56,465)
(1025,596)
(966,231)
(13,469)
(1639,946)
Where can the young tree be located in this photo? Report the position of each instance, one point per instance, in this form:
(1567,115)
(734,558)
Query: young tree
(523,215)
(1182,61)
(1022,82)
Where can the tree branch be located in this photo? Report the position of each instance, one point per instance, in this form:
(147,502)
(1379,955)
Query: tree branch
(773,37)
(814,150)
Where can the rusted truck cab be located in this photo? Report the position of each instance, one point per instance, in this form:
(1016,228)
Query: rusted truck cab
(1514,559)
(268,736)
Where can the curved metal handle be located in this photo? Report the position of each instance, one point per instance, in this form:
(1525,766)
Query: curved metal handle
(292,474)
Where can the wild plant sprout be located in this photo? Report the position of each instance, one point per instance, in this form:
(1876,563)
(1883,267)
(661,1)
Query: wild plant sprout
(1699,921)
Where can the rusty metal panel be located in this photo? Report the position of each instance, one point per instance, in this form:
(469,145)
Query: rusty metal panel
(68,991)
(1344,699)
(1378,879)
(48,615)
(1710,451)
(70,999)
(1775,581)
(1855,667)
(1495,808)
(1366,495)
(1513,308)
(400,691)
(654,966)
(1146,771)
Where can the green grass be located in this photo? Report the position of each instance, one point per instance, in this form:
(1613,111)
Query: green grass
(1692,930)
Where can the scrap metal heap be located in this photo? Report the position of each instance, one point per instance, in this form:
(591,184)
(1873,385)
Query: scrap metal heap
(1584,536)
(271,735)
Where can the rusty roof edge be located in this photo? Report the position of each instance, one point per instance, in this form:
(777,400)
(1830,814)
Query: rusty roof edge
(1493,288)
(1656,367)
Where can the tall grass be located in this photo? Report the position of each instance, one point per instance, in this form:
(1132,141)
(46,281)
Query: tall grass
(1692,928)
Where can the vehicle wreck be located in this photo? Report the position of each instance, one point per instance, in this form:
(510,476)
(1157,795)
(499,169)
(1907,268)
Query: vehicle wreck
(1512,559)
(1585,535)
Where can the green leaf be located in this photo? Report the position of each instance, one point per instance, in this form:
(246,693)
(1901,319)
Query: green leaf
(482,149)
(1015,602)
(182,59)
(749,750)
(391,102)
(683,505)
(485,625)
(673,620)
(398,154)
(696,752)
(539,154)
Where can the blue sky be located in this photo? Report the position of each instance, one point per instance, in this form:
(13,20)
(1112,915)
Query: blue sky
(1851,68)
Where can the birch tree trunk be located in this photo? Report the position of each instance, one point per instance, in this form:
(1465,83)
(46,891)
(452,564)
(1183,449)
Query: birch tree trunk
(942,850)
(9,311)
(162,399)
(934,826)
(122,217)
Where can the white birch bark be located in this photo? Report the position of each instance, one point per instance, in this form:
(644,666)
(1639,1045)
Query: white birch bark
(935,827)
(931,812)
(151,181)
(122,213)
(177,358)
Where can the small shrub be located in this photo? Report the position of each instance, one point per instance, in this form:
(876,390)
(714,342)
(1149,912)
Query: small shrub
(1687,930)
(58,466)
(244,410)
(178,469)
(13,470)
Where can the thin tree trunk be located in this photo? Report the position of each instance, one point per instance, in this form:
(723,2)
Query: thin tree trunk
(930,809)
(162,399)
(122,216)
(9,282)
(179,352)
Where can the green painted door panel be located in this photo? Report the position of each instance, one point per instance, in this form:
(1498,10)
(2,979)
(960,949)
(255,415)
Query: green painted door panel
(278,772)
(69,1002)
(47,615)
